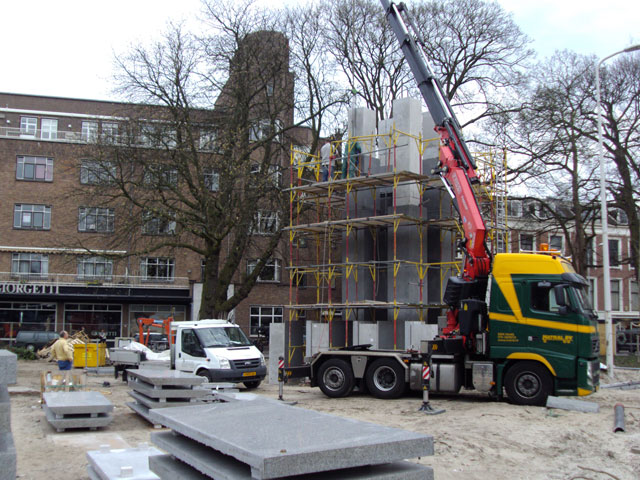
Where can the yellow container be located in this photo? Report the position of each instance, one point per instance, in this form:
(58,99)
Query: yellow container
(89,355)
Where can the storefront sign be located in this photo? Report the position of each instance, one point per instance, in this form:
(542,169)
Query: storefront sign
(28,289)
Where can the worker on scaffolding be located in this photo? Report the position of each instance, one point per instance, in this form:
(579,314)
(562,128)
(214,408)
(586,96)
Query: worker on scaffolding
(325,161)
(350,163)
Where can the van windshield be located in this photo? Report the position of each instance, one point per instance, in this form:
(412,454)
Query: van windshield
(222,337)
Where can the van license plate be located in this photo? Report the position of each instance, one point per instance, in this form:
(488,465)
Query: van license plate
(249,374)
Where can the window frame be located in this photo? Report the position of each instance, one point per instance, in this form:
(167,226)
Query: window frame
(261,217)
(51,133)
(157,262)
(89,132)
(19,213)
(561,237)
(594,294)
(212,180)
(617,262)
(98,212)
(28,128)
(614,307)
(272,262)
(261,312)
(30,259)
(93,172)
(157,226)
(36,161)
(94,261)
(533,242)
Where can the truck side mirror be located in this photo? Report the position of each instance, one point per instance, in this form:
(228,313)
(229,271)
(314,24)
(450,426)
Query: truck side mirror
(561,300)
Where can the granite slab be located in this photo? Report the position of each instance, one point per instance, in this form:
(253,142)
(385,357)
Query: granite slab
(165,376)
(71,403)
(162,402)
(108,464)
(163,391)
(291,441)
(8,367)
(143,412)
(168,468)
(222,467)
(8,465)
(5,409)
(92,420)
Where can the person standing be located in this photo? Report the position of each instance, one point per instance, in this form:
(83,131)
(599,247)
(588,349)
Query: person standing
(325,161)
(63,352)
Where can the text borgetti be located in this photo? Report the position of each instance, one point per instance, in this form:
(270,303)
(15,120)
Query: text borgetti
(28,288)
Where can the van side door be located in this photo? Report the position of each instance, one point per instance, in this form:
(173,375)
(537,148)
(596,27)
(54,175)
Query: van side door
(190,353)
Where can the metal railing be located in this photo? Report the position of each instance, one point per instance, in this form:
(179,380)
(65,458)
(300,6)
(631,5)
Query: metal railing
(70,279)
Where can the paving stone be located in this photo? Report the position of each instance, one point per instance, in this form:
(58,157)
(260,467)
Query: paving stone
(165,376)
(165,391)
(71,403)
(162,402)
(222,467)
(168,468)
(143,412)
(7,457)
(108,464)
(8,367)
(291,441)
(5,409)
(89,420)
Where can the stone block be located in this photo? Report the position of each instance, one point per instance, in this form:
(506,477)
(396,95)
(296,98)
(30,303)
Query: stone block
(77,403)
(162,402)
(143,412)
(5,409)
(65,422)
(223,467)
(291,441)
(8,367)
(7,457)
(168,468)
(108,464)
(165,376)
(165,391)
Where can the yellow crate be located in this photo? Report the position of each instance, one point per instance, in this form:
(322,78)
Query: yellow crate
(89,354)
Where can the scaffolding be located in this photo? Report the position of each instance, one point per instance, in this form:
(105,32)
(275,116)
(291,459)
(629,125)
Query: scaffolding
(357,209)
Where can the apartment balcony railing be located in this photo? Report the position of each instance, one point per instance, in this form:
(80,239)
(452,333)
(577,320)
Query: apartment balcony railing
(66,279)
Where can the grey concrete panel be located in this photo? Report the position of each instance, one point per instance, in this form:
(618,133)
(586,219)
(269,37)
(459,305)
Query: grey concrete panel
(164,392)
(143,412)
(161,402)
(572,404)
(8,367)
(223,467)
(166,376)
(108,464)
(289,440)
(5,409)
(7,457)
(71,403)
(92,473)
(168,468)
(276,349)
(77,421)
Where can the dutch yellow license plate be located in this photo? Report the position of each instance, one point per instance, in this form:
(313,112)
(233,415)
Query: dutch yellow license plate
(249,374)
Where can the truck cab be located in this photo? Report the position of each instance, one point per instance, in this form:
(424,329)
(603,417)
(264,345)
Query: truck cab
(217,350)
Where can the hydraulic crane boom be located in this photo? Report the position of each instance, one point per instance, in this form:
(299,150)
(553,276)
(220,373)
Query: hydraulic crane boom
(456,168)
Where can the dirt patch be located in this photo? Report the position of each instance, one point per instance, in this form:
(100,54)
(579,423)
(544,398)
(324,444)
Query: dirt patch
(476,438)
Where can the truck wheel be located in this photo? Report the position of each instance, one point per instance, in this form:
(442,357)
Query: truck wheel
(385,378)
(252,385)
(528,383)
(335,378)
(205,373)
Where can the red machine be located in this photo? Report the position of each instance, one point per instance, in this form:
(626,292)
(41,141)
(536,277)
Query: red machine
(145,325)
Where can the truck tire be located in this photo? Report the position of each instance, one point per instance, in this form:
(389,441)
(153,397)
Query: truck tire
(253,384)
(203,372)
(528,383)
(385,378)
(335,378)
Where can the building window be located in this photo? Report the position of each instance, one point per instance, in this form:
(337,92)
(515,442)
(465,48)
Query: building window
(93,172)
(263,316)
(266,222)
(94,219)
(34,217)
(593,293)
(160,176)
(273,171)
(270,272)
(212,180)
(156,268)
(28,126)
(556,243)
(110,132)
(515,208)
(590,253)
(39,169)
(89,132)
(95,268)
(633,296)
(527,243)
(614,252)
(152,225)
(615,295)
(49,129)
(208,141)
(29,265)
(264,129)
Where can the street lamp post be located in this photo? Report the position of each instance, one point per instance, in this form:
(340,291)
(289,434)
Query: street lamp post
(604,219)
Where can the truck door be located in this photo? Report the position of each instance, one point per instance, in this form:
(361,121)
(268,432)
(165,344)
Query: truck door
(189,352)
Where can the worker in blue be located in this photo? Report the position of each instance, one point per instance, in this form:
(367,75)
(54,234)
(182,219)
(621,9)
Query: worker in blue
(351,161)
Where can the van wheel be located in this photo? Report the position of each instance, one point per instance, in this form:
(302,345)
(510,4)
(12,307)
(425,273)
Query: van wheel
(528,383)
(335,378)
(385,378)
(252,385)
(206,374)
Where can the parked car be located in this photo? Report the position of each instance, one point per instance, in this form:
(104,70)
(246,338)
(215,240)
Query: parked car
(35,339)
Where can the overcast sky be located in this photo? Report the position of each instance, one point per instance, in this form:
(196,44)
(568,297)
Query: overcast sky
(66,48)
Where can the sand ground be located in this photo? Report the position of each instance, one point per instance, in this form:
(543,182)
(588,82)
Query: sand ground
(476,438)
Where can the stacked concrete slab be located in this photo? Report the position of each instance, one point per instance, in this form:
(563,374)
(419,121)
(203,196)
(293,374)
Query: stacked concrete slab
(264,440)
(66,410)
(161,388)
(8,376)
(131,463)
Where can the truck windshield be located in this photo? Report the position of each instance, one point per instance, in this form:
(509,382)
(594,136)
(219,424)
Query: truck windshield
(582,297)
(222,337)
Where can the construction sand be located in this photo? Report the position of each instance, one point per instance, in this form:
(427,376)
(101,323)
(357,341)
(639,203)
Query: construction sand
(476,438)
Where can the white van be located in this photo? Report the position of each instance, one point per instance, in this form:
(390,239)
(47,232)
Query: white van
(218,350)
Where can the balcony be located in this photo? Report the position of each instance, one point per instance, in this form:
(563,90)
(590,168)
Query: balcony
(60,136)
(15,281)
